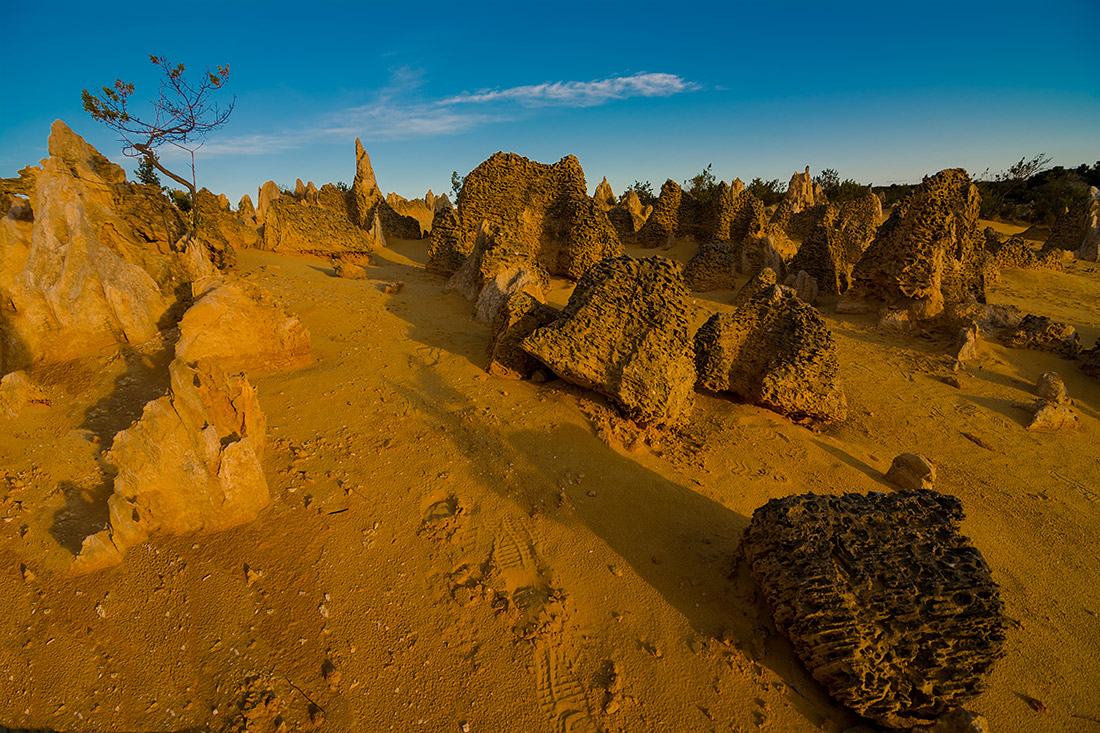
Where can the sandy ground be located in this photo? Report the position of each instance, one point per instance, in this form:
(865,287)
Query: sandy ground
(444,548)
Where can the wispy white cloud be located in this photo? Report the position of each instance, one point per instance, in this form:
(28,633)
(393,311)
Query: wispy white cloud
(396,114)
(581,93)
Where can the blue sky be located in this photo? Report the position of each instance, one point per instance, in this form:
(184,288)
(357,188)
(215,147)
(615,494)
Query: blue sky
(881,91)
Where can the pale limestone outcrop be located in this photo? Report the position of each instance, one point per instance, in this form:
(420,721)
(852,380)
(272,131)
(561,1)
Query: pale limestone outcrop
(239,326)
(190,464)
(84,284)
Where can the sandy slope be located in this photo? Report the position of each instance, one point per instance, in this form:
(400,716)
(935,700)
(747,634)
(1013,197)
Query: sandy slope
(452,548)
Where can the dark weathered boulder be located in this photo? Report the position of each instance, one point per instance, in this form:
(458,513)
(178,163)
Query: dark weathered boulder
(774,351)
(758,283)
(887,605)
(626,334)
(1042,334)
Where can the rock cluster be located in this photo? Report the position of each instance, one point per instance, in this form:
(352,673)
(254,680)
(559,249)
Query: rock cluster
(1078,230)
(190,464)
(628,216)
(299,228)
(926,254)
(887,605)
(222,231)
(677,214)
(626,334)
(774,351)
(95,272)
(1042,334)
(800,192)
(1054,409)
(540,210)
(823,255)
(1016,253)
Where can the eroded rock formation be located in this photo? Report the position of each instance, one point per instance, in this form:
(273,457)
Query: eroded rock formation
(239,326)
(540,210)
(1042,334)
(626,334)
(886,603)
(926,254)
(774,351)
(190,464)
(677,214)
(91,278)
(712,267)
(517,318)
(1078,230)
(366,201)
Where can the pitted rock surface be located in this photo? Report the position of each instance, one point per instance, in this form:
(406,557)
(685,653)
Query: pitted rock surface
(626,334)
(774,351)
(221,230)
(1039,333)
(928,252)
(713,267)
(886,603)
(758,283)
(515,320)
(823,255)
(541,210)
(676,214)
(738,214)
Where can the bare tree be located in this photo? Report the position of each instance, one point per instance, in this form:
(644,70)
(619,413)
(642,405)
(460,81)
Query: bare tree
(1017,174)
(182,115)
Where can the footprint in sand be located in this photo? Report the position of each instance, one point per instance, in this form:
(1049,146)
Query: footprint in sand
(560,694)
(539,606)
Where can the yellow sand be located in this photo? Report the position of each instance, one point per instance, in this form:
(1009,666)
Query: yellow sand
(413,495)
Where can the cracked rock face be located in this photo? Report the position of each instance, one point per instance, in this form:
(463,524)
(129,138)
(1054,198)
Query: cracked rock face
(886,603)
(626,334)
(774,351)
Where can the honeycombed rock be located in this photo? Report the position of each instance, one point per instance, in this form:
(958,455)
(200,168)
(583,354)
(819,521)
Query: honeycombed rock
(712,267)
(774,351)
(541,210)
(221,230)
(676,214)
(823,257)
(1016,253)
(926,254)
(626,334)
(1040,333)
(738,214)
(239,326)
(190,464)
(764,279)
(887,605)
(90,277)
(514,321)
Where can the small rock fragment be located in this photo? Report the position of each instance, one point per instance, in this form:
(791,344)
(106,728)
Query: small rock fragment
(912,471)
